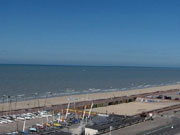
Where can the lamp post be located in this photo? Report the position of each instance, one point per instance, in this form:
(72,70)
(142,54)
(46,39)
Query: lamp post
(47,96)
(110,129)
(7,98)
(35,98)
(3,103)
(17,100)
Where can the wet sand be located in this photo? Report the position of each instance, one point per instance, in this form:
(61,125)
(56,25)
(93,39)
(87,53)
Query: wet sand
(83,97)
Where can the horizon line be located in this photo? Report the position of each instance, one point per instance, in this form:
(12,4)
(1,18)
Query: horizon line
(86,65)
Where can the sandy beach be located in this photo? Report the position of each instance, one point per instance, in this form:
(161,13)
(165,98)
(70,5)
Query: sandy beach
(132,108)
(83,97)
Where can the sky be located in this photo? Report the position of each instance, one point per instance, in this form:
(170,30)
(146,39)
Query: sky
(90,32)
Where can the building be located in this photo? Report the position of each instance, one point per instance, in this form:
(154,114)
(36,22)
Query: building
(103,124)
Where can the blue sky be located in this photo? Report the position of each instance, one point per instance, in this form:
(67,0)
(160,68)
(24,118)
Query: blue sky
(90,32)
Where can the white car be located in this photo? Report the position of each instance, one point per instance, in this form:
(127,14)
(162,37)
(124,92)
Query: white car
(6,119)
(29,114)
(27,118)
(13,133)
(46,115)
(10,121)
(20,118)
(3,122)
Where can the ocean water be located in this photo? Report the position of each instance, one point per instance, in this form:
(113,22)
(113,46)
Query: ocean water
(67,80)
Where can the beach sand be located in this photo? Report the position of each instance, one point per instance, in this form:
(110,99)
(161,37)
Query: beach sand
(132,108)
(83,97)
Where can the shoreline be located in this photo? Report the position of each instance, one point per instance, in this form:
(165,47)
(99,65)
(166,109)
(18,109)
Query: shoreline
(84,92)
(81,97)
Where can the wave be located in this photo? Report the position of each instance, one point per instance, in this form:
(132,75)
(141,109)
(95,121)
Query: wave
(69,92)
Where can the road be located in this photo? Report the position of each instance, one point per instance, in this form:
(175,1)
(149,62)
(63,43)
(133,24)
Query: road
(170,129)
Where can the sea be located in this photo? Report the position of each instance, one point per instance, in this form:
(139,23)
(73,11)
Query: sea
(55,80)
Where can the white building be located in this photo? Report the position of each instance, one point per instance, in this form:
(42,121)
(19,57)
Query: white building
(90,131)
